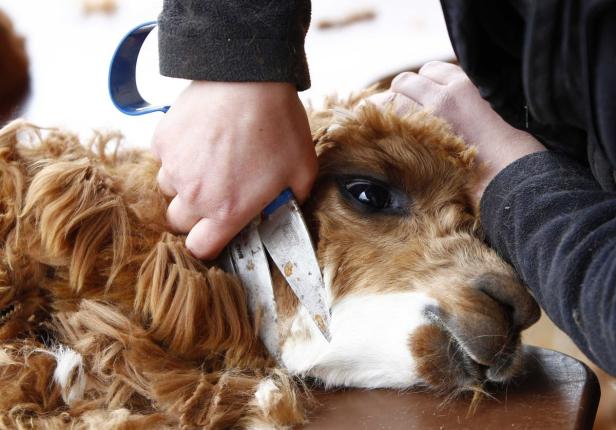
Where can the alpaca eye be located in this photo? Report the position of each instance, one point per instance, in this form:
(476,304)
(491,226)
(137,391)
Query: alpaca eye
(369,194)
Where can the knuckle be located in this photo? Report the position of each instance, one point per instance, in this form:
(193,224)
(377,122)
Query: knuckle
(430,65)
(191,192)
(399,79)
(226,209)
(461,85)
(445,102)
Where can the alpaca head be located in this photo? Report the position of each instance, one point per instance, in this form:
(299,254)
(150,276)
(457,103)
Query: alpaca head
(416,296)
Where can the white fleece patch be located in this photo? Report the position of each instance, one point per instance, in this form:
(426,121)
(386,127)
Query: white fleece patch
(69,371)
(267,395)
(266,390)
(370,341)
(328,277)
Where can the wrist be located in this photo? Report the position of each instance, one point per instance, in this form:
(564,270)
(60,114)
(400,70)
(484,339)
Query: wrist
(249,86)
(260,95)
(494,158)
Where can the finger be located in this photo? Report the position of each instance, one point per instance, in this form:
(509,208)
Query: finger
(440,72)
(380,100)
(402,104)
(301,190)
(208,237)
(399,103)
(181,217)
(301,183)
(418,88)
(165,184)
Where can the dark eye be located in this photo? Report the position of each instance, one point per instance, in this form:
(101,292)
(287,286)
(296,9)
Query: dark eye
(370,194)
(374,196)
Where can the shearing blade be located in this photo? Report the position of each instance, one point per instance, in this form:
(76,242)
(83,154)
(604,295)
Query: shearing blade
(249,262)
(286,238)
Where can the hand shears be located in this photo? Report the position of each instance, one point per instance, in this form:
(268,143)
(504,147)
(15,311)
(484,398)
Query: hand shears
(281,229)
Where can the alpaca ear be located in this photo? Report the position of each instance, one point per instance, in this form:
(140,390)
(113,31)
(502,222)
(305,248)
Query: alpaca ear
(78,219)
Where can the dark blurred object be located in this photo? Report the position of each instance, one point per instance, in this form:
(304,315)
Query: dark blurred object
(352,18)
(14,77)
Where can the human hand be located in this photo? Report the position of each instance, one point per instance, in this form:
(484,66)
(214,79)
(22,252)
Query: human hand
(447,92)
(227,149)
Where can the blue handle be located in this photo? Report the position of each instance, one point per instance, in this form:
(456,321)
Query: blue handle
(282,198)
(122,80)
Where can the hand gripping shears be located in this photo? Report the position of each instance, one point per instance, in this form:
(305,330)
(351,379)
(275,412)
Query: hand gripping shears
(281,229)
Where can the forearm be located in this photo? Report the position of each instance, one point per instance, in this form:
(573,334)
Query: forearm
(240,40)
(550,219)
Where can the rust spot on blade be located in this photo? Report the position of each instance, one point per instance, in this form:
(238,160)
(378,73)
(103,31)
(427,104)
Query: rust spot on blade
(250,266)
(288,269)
(320,323)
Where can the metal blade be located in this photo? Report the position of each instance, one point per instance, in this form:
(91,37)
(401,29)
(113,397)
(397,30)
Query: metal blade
(285,236)
(249,262)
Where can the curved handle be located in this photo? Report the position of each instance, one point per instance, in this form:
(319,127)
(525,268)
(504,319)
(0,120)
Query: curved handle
(122,74)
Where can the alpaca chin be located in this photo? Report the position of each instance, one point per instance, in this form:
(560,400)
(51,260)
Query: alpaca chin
(369,346)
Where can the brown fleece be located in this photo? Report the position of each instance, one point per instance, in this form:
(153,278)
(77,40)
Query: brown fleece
(166,340)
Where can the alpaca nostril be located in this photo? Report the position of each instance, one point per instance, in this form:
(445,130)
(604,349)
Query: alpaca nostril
(512,295)
(480,343)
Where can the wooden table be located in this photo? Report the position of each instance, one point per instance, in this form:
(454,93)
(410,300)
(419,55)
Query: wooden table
(556,392)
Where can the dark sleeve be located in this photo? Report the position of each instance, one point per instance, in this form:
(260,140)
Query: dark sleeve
(239,40)
(547,216)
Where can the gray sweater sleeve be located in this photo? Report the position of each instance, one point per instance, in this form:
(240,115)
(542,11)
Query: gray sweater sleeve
(235,40)
(548,217)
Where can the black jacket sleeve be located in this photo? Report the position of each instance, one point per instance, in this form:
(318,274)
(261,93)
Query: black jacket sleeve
(548,216)
(240,40)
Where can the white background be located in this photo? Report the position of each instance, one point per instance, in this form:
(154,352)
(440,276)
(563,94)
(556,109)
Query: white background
(70,53)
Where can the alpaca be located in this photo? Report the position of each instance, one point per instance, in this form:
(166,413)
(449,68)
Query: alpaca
(106,319)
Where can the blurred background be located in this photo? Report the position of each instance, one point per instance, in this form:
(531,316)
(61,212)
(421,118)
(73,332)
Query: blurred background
(68,44)
(351,43)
